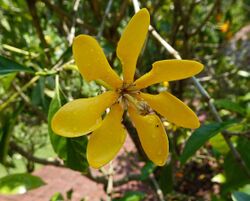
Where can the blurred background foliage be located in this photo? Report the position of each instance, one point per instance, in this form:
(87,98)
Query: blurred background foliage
(38,74)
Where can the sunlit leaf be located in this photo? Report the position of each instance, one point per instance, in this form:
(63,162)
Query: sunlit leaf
(19,183)
(132,196)
(230,105)
(200,136)
(239,196)
(57,197)
(236,176)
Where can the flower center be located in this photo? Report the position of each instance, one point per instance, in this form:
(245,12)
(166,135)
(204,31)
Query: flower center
(129,97)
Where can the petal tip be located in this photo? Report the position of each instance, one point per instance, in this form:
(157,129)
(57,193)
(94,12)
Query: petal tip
(196,125)
(199,65)
(144,11)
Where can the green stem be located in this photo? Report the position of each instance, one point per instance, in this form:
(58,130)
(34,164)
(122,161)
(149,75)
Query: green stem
(15,95)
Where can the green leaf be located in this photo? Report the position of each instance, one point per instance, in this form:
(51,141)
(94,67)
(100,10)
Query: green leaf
(132,196)
(200,137)
(71,150)
(147,169)
(9,66)
(6,81)
(239,196)
(218,143)
(57,197)
(7,123)
(19,183)
(165,179)
(76,153)
(38,96)
(230,105)
(235,175)
(59,143)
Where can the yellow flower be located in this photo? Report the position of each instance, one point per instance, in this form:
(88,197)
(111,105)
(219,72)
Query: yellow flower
(82,116)
(224,27)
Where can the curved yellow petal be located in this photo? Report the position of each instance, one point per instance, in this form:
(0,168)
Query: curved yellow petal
(172,109)
(168,70)
(152,135)
(81,116)
(106,141)
(91,61)
(131,42)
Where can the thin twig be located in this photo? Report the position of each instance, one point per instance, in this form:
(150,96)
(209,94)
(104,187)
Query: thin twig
(65,16)
(15,95)
(157,187)
(203,92)
(57,10)
(35,159)
(73,28)
(36,21)
(28,103)
(110,182)
(107,10)
(119,182)
(203,23)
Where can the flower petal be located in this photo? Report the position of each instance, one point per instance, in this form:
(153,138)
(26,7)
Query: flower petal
(168,70)
(152,135)
(172,109)
(81,116)
(106,141)
(131,42)
(91,61)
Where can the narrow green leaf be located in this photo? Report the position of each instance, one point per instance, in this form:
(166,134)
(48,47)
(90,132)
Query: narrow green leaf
(38,96)
(7,123)
(200,136)
(57,197)
(147,169)
(239,196)
(165,179)
(59,143)
(9,66)
(132,196)
(76,153)
(235,175)
(230,105)
(19,183)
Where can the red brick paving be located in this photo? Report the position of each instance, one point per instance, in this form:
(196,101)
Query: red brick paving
(63,179)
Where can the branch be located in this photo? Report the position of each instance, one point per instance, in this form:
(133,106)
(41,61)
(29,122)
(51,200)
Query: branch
(15,95)
(202,24)
(157,187)
(245,134)
(104,180)
(36,22)
(35,159)
(71,34)
(27,102)
(57,10)
(65,16)
(110,184)
(203,92)
(107,10)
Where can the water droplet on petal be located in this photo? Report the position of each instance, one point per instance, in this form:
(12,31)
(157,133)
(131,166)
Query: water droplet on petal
(153,135)
(159,152)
